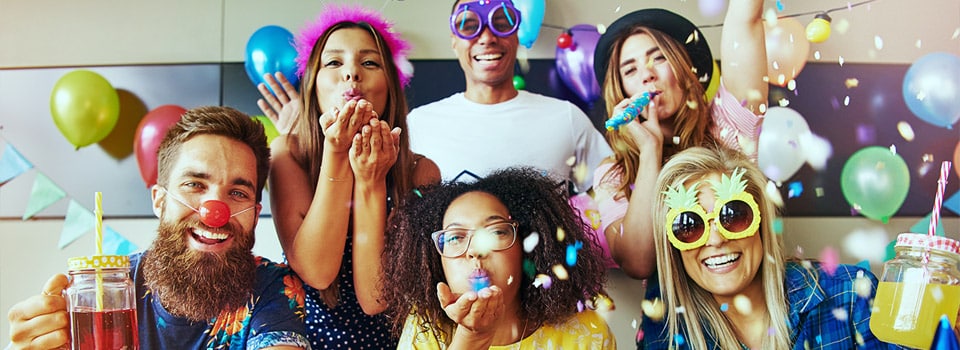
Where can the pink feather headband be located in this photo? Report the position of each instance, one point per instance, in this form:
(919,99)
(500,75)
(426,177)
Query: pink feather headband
(333,14)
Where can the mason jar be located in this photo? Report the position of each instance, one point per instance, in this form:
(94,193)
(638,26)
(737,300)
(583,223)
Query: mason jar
(101,300)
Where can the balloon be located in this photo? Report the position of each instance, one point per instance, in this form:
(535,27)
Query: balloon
(956,158)
(787,49)
(270,50)
(575,64)
(85,107)
(268,128)
(931,87)
(153,127)
(779,154)
(531,17)
(875,182)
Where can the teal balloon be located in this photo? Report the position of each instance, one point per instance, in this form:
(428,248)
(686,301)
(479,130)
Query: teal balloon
(531,12)
(875,181)
(931,87)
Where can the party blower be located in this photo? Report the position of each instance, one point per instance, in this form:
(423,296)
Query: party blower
(920,285)
(102,298)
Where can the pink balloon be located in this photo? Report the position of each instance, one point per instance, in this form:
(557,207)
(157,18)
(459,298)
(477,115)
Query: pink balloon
(787,49)
(153,127)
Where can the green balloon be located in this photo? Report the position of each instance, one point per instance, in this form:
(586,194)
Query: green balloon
(85,107)
(519,83)
(875,181)
(268,128)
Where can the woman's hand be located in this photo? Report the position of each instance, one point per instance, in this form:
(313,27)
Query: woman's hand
(476,312)
(284,108)
(339,126)
(374,151)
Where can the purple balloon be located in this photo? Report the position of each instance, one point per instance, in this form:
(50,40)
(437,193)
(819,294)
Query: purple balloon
(575,63)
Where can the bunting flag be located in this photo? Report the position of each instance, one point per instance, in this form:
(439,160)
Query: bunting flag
(923,226)
(115,244)
(43,195)
(953,203)
(12,164)
(78,222)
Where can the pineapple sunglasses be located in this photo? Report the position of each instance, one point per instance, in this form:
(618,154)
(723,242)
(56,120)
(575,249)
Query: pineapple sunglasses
(735,213)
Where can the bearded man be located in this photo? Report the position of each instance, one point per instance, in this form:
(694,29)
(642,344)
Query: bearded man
(198,285)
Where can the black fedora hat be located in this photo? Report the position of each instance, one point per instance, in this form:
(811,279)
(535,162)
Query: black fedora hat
(665,21)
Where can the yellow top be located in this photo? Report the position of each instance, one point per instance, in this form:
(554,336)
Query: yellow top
(586,330)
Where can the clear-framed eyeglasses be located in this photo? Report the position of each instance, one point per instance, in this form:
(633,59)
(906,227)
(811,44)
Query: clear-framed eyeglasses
(454,242)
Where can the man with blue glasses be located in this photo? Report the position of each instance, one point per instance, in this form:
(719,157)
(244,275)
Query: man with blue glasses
(492,125)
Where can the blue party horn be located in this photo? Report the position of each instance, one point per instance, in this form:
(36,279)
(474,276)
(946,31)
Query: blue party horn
(631,112)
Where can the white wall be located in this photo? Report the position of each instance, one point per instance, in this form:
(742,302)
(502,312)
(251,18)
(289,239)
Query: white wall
(56,33)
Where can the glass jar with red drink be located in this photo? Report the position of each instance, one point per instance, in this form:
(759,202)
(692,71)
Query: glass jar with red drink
(102,303)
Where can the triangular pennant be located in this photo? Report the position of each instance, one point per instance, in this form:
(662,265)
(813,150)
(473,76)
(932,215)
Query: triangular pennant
(953,203)
(12,164)
(115,244)
(923,226)
(79,221)
(44,194)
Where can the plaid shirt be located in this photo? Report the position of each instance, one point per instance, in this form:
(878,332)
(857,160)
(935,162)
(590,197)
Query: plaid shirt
(814,305)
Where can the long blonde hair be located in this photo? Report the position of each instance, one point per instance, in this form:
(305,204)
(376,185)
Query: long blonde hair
(703,317)
(308,143)
(692,120)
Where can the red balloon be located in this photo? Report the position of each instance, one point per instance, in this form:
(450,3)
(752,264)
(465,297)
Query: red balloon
(214,213)
(149,134)
(565,40)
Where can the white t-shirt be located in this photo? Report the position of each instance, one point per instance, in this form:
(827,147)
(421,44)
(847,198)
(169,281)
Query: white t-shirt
(528,130)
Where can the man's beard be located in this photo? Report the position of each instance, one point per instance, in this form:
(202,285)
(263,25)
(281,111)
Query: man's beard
(199,285)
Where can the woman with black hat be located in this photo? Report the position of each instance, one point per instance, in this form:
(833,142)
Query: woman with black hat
(655,51)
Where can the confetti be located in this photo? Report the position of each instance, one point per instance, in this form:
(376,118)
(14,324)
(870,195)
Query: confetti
(792,85)
(919,43)
(819,191)
(851,83)
(846,100)
(680,310)
(561,234)
(572,160)
(863,286)
(560,272)
(579,306)
(936,292)
(572,253)
(724,307)
(543,281)
(417,192)
(510,280)
(878,42)
(653,309)
(633,324)
(773,194)
(601,28)
(840,60)
(779,6)
(816,55)
(742,304)
(906,131)
(956,33)
(829,259)
(678,338)
(795,189)
(531,242)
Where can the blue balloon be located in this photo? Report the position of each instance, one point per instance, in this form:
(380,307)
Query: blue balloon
(532,12)
(931,87)
(270,50)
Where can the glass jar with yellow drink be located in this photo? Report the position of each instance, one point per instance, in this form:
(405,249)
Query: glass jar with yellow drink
(921,283)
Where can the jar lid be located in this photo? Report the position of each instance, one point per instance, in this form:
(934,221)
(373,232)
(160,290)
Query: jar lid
(918,240)
(99,261)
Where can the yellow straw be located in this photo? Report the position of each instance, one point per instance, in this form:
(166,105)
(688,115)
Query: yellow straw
(99,213)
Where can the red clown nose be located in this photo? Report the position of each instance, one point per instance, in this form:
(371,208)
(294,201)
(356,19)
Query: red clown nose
(214,213)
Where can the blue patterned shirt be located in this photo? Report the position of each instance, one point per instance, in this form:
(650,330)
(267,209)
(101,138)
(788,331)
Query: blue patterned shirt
(813,304)
(274,316)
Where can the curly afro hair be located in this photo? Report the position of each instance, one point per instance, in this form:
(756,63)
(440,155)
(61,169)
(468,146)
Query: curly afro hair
(411,263)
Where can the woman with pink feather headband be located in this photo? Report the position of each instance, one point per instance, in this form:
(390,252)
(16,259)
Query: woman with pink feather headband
(342,163)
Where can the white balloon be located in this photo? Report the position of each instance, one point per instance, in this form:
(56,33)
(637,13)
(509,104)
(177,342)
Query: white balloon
(779,148)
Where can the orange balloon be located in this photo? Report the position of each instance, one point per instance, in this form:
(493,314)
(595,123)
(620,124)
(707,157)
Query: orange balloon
(787,49)
(956,159)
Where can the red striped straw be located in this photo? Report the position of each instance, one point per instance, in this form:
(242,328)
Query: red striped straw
(938,200)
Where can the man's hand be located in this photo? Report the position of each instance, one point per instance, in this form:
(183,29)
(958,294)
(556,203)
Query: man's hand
(41,322)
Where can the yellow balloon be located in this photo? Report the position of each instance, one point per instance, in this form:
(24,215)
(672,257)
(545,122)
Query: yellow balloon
(714,84)
(818,30)
(85,107)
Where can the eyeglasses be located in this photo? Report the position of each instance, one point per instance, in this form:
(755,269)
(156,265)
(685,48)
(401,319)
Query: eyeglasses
(454,242)
(736,218)
(500,16)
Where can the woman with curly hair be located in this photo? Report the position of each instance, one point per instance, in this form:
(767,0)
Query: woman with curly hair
(501,262)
